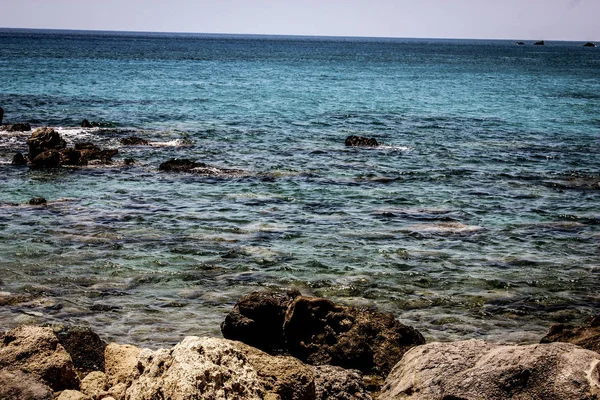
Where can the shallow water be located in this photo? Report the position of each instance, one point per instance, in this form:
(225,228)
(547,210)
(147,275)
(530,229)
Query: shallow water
(477,218)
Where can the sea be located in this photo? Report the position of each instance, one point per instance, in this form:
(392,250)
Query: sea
(478,216)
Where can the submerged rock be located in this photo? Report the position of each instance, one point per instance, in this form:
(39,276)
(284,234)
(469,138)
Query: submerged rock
(474,369)
(19,159)
(17,385)
(37,351)
(359,141)
(42,140)
(184,165)
(134,141)
(587,337)
(37,201)
(257,319)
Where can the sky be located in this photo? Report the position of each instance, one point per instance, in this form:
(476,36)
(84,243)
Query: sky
(476,19)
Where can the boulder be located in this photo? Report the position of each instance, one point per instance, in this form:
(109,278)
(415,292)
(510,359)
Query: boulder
(134,141)
(37,201)
(319,332)
(120,363)
(72,395)
(86,124)
(196,369)
(18,127)
(335,383)
(474,369)
(84,346)
(257,319)
(71,156)
(17,385)
(19,159)
(37,351)
(44,139)
(359,141)
(587,337)
(46,159)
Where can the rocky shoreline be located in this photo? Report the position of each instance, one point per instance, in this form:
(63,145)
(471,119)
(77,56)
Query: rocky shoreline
(280,346)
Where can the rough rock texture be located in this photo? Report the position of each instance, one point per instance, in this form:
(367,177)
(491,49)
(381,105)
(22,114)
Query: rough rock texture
(474,369)
(37,351)
(19,159)
(335,383)
(587,337)
(359,141)
(183,165)
(19,127)
(257,319)
(46,159)
(84,346)
(17,385)
(44,139)
(195,369)
(72,395)
(282,376)
(319,332)
(94,385)
(134,141)
(120,363)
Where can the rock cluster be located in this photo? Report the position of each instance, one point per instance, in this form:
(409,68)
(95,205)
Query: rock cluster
(359,141)
(317,331)
(47,149)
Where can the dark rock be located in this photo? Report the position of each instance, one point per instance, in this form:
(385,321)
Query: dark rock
(19,159)
(37,201)
(107,155)
(86,124)
(128,161)
(86,146)
(90,151)
(44,139)
(319,332)
(71,156)
(46,159)
(520,43)
(588,44)
(17,385)
(134,141)
(540,43)
(1,115)
(359,141)
(587,337)
(20,127)
(180,165)
(84,346)
(257,320)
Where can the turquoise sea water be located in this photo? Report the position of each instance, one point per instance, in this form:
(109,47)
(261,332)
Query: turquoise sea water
(478,217)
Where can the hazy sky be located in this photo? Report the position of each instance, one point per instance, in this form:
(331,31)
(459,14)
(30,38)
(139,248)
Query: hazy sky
(501,19)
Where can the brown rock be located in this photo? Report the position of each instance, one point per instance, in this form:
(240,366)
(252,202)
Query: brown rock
(46,159)
(70,156)
(587,337)
(319,332)
(335,383)
(120,363)
(134,141)
(257,319)
(72,395)
(359,141)
(94,385)
(37,351)
(17,385)
(44,139)
(473,370)
(19,127)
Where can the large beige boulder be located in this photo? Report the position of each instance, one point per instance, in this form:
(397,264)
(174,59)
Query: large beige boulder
(72,395)
(94,385)
(474,369)
(196,369)
(37,351)
(120,363)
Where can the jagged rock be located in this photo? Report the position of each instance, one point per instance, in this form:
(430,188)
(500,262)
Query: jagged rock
(19,159)
(46,159)
(37,201)
(319,332)
(134,141)
(474,369)
(37,351)
(72,395)
(120,363)
(359,141)
(335,383)
(587,337)
(17,385)
(94,385)
(86,124)
(588,44)
(44,139)
(19,127)
(257,319)
(196,369)
(540,43)
(84,346)
(282,376)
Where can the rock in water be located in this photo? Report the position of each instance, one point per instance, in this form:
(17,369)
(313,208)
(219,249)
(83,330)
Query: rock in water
(134,141)
(474,369)
(19,127)
(17,385)
(37,201)
(196,369)
(257,319)
(359,141)
(86,124)
(540,43)
(588,44)
(46,159)
(180,165)
(587,337)
(319,332)
(37,351)
(19,159)
(1,115)
(44,139)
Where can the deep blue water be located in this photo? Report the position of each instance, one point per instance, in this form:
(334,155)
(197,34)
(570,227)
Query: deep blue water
(479,216)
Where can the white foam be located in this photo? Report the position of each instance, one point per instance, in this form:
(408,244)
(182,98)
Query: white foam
(172,143)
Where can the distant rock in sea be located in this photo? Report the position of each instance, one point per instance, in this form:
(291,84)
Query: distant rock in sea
(359,141)
(520,43)
(588,44)
(540,43)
